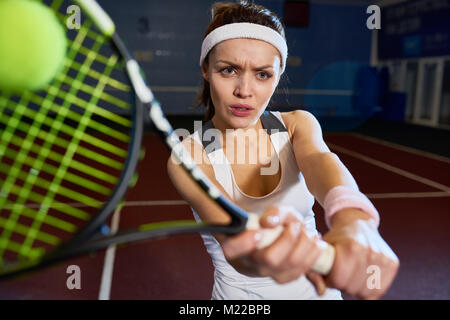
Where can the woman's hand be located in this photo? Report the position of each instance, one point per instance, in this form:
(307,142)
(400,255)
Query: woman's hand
(361,254)
(364,265)
(290,256)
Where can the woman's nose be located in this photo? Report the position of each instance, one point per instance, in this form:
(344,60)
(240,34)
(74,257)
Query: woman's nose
(243,87)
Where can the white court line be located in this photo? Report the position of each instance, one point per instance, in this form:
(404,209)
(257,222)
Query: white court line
(84,205)
(108,265)
(391,195)
(408,195)
(110,255)
(184,203)
(388,167)
(155,203)
(403,148)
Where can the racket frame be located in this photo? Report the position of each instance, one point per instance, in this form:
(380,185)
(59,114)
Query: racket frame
(146,108)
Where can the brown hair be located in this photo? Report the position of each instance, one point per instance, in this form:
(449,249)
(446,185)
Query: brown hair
(226,13)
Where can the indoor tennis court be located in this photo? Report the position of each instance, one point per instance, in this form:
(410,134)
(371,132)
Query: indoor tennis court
(381,96)
(410,186)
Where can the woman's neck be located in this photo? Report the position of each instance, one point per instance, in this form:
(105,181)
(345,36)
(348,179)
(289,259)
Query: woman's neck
(249,134)
(224,128)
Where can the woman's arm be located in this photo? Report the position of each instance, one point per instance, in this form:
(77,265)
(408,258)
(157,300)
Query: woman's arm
(356,239)
(321,168)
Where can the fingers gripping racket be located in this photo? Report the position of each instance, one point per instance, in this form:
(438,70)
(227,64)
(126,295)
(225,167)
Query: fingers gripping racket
(69,153)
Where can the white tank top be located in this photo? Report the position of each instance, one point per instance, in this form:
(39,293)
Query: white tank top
(291,190)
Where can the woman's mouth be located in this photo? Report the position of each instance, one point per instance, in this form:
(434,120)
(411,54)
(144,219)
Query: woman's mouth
(241,110)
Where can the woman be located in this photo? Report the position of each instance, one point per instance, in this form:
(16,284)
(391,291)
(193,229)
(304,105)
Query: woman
(243,57)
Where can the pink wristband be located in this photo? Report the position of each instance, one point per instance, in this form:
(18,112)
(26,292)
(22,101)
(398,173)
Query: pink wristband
(341,197)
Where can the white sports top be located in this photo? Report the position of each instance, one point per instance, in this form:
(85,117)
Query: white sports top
(291,190)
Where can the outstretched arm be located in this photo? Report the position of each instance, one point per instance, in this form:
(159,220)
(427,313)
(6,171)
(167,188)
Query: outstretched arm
(353,232)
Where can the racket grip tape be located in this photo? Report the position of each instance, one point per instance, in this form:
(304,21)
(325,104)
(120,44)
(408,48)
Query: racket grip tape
(324,262)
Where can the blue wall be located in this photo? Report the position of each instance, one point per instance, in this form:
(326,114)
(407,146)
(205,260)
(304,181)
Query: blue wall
(415,28)
(169,48)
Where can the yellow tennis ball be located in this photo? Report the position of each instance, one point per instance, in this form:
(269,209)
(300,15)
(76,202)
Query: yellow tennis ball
(32,45)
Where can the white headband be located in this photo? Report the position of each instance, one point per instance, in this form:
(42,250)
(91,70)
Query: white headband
(245,30)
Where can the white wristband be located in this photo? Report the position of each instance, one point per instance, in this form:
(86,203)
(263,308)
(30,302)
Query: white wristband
(342,197)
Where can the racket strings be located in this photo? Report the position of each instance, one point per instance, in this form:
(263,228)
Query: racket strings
(14,172)
(68,130)
(57,158)
(79,133)
(39,130)
(76,115)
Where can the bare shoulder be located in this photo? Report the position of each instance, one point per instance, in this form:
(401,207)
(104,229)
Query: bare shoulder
(301,124)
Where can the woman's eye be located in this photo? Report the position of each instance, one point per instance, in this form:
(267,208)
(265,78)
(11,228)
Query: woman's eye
(227,71)
(264,75)
(230,71)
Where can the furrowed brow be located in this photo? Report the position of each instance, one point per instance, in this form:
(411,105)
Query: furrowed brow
(239,67)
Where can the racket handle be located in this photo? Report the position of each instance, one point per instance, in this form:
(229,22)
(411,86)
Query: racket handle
(322,265)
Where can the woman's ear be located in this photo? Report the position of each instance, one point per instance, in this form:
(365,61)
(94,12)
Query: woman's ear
(205,71)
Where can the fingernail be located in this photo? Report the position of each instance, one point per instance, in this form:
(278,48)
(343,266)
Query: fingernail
(274,220)
(321,289)
(257,236)
(295,228)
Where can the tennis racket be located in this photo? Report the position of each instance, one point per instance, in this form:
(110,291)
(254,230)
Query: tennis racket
(79,141)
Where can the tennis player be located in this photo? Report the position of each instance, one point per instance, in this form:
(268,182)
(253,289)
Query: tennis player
(243,56)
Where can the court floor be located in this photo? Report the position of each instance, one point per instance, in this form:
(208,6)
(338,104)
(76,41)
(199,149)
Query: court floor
(410,188)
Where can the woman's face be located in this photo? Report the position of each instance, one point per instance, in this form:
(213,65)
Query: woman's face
(241,72)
